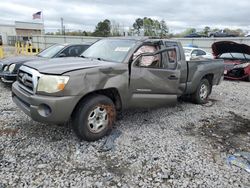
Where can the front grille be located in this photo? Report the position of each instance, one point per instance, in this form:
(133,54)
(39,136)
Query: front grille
(1,66)
(28,78)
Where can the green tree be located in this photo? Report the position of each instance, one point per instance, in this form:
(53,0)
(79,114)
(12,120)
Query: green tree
(163,29)
(206,30)
(115,28)
(103,29)
(190,30)
(148,26)
(138,25)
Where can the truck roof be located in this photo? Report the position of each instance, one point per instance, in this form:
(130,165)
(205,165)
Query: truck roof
(143,39)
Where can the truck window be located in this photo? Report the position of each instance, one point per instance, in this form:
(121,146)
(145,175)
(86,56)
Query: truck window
(173,44)
(148,60)
(170,59)
(73,51)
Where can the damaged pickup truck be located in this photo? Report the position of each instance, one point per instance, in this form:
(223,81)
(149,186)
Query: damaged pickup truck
(111,75)
(236,59)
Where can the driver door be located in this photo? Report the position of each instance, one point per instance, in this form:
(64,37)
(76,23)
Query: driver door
(156,83)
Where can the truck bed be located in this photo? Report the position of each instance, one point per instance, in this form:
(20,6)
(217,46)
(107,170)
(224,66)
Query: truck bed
(197,69)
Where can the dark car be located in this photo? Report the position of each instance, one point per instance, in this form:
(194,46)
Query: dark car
(10,66)
(236,59)
(221,33)
(1,40)
(194,35)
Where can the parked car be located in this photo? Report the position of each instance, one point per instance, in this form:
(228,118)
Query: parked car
(9,66)
(194,35)
(236,58)
(193,53)
(221,33)
(111,75)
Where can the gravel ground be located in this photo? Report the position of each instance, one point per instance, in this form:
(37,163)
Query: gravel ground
(181,146)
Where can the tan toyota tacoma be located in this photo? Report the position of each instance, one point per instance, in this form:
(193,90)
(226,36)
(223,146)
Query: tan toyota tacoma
(111,75)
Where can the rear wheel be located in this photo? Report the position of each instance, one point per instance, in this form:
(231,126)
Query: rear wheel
(94,117)
(201,94)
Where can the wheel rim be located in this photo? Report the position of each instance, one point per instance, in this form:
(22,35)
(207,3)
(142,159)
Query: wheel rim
(203,92)
(97,119)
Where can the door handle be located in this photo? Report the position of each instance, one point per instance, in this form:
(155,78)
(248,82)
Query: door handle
(172,77)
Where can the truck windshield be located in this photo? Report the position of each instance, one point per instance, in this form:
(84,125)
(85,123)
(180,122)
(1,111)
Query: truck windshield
(51,51)
(114,50)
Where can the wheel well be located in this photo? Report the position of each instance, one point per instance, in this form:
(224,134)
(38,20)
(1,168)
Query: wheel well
(111,93)
(210,78)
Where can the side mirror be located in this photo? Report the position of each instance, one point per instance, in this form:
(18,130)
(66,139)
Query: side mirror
(62,55)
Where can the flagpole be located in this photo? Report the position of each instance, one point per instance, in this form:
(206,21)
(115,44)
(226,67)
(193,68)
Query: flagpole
(43,23)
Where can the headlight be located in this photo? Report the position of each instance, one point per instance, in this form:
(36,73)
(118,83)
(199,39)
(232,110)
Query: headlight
(12,67)
(52,84)
(5,68)
(243,65)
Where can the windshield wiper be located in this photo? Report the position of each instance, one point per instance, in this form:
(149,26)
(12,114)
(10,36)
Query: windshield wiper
(83,56)
(101,59)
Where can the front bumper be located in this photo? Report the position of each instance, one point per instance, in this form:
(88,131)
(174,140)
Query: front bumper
(8,76)
(237,73)
(46,109)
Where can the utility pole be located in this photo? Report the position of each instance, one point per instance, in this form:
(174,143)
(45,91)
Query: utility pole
(62,27)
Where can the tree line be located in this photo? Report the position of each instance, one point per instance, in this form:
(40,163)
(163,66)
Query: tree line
(142,27)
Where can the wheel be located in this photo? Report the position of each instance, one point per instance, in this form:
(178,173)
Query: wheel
(201,94)
(94,117)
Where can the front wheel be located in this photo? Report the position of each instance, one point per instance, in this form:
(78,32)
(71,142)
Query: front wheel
(94,117)
(201,94)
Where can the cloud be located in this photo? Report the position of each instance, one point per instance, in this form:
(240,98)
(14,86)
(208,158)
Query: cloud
(179,14)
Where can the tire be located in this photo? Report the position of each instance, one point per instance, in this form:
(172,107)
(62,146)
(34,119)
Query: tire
(94,117)
(202,92)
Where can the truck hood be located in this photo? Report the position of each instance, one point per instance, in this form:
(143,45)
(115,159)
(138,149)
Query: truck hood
(60,66)
(18,59)
(222,47)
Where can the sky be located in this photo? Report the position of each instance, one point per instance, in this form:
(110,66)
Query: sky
(85,14)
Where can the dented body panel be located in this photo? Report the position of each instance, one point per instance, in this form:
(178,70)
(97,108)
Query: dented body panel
(130,85)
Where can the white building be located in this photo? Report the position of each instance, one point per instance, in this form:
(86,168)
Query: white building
(21,30)
(5,31)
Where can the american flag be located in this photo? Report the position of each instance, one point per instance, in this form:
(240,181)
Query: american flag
(37,15)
